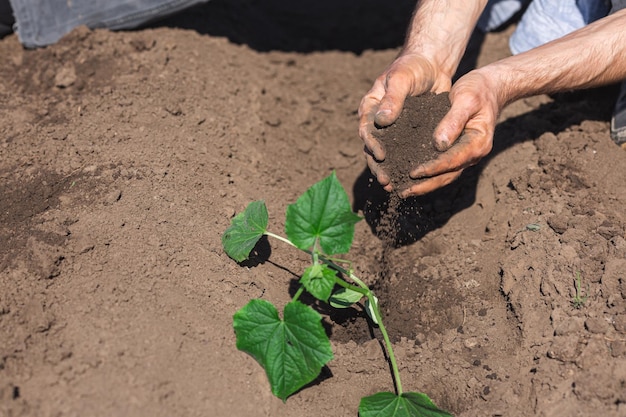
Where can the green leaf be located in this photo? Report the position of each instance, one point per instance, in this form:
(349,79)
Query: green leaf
(245,231)
(292,351)
(409,404)
(319,280)
(323,212)
(344,298)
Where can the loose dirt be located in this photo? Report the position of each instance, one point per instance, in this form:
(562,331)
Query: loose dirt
(123,157)
(408,142)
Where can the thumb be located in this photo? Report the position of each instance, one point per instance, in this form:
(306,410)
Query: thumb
(397,88)
(451,127)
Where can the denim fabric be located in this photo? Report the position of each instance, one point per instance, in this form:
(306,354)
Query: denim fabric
(546,20)
(43,22)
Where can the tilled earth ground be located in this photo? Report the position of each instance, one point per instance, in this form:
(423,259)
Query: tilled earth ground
(123,157)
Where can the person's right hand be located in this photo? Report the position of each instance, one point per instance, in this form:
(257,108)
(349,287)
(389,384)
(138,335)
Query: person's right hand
(408,75)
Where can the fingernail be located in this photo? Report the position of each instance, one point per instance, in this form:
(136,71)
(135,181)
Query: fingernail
(442,144)
(416,173)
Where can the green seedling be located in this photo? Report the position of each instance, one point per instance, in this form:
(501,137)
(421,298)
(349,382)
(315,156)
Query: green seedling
(293,349)
(579,300)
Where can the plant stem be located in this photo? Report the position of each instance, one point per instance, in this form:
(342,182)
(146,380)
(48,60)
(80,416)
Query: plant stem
(392,356)
(379,320)
(298,293)
(282,239)
(344,271)
(363,289)
(354,288)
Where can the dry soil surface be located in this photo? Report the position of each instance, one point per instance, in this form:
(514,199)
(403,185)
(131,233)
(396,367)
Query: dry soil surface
(123,157)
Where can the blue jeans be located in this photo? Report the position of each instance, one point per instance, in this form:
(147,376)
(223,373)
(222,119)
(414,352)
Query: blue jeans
(543,20)
(547,20)
(43,22)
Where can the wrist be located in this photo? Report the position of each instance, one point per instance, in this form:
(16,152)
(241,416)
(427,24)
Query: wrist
(498,83)
(441,69)
(440,31)
(427,74)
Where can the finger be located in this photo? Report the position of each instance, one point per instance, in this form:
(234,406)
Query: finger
(467,151)
(398,86)
(366,127)
(451,127)
(474,106)
(430,184)
(409,75)
(382,177)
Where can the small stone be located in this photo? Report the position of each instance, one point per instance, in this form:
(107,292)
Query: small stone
(471,342)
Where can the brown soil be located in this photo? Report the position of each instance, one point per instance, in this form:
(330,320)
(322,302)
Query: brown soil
(123,157)
(409,141)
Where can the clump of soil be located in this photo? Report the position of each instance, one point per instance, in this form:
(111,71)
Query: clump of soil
(409,141)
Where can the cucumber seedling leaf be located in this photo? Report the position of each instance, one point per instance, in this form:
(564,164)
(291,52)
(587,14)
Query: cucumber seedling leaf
(344,298)
(409,404)
(319,281)
(292,350)
(323,212)
(245,230)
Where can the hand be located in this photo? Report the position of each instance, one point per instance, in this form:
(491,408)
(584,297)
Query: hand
(408,75)
(465,133)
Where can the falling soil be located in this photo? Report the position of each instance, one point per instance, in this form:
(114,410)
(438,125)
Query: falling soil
(408,142)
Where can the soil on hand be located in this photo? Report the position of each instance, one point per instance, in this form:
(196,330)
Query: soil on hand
(124,156)
(408,142)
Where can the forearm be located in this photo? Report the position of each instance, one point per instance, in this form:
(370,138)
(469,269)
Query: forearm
(440,31)
(592,56)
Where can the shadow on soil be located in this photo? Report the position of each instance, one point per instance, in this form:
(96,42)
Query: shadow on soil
(302,26)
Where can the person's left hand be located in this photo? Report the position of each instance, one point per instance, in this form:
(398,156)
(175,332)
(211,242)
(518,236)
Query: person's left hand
(465,133)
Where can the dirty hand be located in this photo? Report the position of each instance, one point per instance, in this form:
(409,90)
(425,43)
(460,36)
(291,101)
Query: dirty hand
(465,133)
(408,75)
